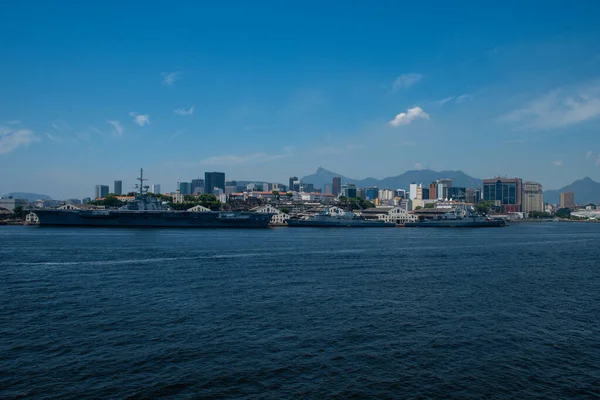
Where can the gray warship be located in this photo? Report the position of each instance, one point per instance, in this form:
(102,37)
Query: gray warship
(329,219)
(148,211)
(458,218)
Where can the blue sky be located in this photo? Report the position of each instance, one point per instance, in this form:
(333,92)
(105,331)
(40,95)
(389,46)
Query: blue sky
(91,92)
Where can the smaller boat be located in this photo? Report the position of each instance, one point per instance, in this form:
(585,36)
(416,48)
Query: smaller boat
(343,219)
(458,218)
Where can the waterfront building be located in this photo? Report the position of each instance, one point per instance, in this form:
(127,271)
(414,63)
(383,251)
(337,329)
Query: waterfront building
(416,191)
(118,188)
(10,203)
(280,218)
(504,192)
(101,191)
(214,180)
(471,196)
(567,200)
(533,197)
(337,185)
(293,181)
(198,208)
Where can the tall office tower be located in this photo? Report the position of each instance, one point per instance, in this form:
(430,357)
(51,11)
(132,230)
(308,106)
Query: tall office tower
(101,191)
(328,189)
(337,185)
(214,180)
(567,200)
(432,191)
(118,188)
(349,190)
(155,189)
(291,181)
(185,188)
(533,197)
(505,192)
(197,183)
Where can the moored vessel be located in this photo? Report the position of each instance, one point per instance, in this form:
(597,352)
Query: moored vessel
(148,211)
(343,219)
(458,218)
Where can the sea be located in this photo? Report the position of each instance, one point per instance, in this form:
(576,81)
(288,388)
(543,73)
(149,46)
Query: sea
(303,313)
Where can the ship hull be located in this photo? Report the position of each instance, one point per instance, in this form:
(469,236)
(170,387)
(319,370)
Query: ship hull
(339,224)
(464,223)
(154,219)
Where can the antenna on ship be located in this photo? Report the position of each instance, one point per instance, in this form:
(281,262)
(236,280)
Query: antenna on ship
(141,179)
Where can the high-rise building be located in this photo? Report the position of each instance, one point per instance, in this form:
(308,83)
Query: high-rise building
(118,188)
(197,183)
(328,189)
(337,185)
(307,188)
(567,200)
(432,191)
(155,188)
(504,192)
(533,197)
(349,190)
(101,191)
(416,191)
(372,193)
(291,182)
(457,193)
(425,193)
(214,180)
(185,188)
(446,182)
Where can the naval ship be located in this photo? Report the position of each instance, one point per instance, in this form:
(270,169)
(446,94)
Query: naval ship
(458,218)
(345,219)
(148,211)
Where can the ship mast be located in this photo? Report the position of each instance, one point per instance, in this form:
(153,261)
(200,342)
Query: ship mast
(142,179)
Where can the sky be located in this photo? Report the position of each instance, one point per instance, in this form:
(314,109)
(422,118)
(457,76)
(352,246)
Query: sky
(90,92)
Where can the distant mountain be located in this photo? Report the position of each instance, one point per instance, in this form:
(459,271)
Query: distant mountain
(403,181)
(28,196)
(586,191)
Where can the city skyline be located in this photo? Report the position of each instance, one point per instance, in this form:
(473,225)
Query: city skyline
(271,91)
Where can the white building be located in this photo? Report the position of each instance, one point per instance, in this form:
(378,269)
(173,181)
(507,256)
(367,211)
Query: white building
(398,215)
(533,197)
(279,218)
(198,208)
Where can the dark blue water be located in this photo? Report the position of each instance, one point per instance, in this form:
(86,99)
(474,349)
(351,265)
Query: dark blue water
(303,313)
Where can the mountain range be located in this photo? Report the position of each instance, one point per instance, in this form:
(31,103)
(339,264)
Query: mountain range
(28,196)
(403,181)
(586,190)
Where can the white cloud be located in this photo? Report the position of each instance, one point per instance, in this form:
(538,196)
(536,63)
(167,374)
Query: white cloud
(246,159)
(457,99)
(558,163)
(589,154)
(118,129)
(140,119)
(406,80)
(418,165)
(559,108)
(170,77)
(183,111)
(407,117)
(177,133)
(464,97)
(14,122)
(11,139)
(444,101)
